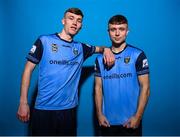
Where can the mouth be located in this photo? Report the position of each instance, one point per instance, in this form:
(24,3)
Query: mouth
(74,28)
(117,39)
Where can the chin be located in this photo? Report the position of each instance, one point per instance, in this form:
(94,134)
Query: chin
(72,34)
(117,42)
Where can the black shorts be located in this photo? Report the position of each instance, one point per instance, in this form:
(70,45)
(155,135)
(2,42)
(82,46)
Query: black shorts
(54,122)
(120,131)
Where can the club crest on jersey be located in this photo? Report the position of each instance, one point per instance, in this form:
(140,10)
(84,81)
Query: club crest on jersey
(127,60)
(54,47)
(75,51)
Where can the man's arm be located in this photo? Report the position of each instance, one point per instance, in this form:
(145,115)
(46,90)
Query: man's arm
(109,58)
(143,99)
(23,110)
(98,102)
(144,94)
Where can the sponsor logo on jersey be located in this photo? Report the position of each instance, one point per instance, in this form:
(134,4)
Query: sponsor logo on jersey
(88,45)
(118,57)
(145,63)
(75,51)
(33,49)
(126,60)
(54,47)
(118,76)
(67,46)
(63,62)
(95,67)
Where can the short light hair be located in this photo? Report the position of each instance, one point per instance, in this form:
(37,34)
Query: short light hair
(76,11)
(118,19)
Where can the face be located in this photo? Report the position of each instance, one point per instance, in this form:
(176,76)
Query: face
(118,32)
(72,23)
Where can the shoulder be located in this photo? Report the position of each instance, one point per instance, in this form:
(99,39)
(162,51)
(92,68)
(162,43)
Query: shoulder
(99,57)
(47,36)
(77,43)
(135,50)
(82,44)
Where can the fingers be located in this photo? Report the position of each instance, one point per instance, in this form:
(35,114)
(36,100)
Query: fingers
(107,124)
(130,124)
(104,60)
(135,127)
(104,123)
(109,57)
(109,60)
(23,113)
(127,125)
(23,118)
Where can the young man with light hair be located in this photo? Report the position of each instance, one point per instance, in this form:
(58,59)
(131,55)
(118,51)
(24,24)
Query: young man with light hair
(60,61)
(122,91)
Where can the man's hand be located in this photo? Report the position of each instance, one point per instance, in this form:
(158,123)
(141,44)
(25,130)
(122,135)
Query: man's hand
(133,122)
(109,57)
(23,113)
(103,121)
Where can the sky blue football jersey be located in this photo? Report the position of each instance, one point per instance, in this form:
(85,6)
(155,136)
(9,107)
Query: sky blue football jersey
(60,63)
(120,84)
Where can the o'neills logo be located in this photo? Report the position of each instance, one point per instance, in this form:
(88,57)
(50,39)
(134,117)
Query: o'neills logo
(63,62)
(54,47)
(118,76)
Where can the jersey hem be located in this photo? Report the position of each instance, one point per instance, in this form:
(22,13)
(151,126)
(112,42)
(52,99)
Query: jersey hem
(54,108)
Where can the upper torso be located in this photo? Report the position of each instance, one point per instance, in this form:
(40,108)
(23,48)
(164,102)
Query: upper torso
(120,84)
(60,66)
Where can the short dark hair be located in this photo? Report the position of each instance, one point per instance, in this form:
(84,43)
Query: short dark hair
(76,11)
(118,19)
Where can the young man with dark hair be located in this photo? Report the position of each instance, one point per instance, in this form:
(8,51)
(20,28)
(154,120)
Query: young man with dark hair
(60,60)
(122,91)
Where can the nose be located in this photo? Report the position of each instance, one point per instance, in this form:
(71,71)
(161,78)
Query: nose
(117,33)
(75,22)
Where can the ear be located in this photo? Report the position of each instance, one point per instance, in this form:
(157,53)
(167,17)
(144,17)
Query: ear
(63,22)
(127,32)
(80,27)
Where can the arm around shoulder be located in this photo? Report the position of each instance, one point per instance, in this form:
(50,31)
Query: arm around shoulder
(109,57)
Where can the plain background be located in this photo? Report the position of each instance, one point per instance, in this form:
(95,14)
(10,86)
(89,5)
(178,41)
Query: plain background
(154,27)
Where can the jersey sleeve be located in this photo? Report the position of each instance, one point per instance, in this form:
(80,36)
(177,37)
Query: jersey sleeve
(35,53)
(97,69)
(88,50)
(142,66)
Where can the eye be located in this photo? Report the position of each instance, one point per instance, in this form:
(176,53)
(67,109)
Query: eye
(122,29)
(71,17)
(79,21)
(112,29)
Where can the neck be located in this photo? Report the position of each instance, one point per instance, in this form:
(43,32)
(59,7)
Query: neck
(63,35)
(116,48)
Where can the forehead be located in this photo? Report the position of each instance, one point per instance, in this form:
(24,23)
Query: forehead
(68,14)
(118,25)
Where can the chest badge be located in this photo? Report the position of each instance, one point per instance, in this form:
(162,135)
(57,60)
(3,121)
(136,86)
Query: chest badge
(75,51)
(127,60)
(54,47)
